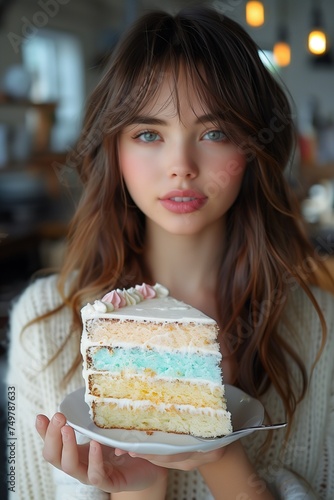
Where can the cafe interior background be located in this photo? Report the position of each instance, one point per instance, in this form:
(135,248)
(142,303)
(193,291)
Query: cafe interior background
(52,53)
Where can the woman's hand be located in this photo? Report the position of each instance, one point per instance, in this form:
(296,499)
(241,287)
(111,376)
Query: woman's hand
(93,463)
(180,461)
(227,471)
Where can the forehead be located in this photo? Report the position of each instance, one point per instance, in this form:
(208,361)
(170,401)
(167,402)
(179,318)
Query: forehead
(173,94)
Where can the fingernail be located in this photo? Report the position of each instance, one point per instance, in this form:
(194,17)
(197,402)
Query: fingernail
(38,421)
(57,419)
(118,452)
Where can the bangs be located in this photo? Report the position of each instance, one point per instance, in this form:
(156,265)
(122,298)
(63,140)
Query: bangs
(143,93)
(161,51)
(222,67)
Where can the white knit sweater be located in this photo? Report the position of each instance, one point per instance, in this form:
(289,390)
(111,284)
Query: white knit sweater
(301,467)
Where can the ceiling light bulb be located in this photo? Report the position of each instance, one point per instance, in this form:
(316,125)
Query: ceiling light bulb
(282,53)
(317,42)
(254,13)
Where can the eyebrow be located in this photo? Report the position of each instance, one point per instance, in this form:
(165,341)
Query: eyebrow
(210,117)
(152,120)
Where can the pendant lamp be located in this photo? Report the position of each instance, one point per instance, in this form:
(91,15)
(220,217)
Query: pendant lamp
(254,14)
(317,39)
(282,49)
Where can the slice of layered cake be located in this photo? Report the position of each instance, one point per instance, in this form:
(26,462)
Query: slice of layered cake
(151,362)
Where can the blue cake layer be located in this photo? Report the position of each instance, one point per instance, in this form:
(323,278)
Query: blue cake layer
(163,363)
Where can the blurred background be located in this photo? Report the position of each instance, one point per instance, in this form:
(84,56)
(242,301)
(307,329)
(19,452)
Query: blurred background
(51,57)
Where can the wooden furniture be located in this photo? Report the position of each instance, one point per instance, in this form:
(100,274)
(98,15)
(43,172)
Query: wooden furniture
(33,207)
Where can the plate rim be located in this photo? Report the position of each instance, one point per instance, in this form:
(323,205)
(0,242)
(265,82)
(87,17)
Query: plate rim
(153,447)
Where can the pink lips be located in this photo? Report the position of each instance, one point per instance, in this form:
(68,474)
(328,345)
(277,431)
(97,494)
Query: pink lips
(183,201)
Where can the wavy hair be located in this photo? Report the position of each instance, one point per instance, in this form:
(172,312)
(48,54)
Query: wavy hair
(265,241)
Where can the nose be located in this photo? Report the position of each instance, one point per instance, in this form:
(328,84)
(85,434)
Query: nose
(182,162)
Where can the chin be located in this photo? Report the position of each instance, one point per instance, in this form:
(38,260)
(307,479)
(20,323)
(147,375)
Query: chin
(182,225)
(184,229)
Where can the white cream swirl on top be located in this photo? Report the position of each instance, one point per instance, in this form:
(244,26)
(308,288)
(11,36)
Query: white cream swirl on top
(118,298)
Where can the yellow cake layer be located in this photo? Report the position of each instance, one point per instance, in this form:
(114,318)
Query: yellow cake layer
(171,335)
(167,419)
(156,390)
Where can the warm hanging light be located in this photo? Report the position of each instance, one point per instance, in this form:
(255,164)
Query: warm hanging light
(255,13)
(282,53)
(317,40)
(317,43)
(282,50)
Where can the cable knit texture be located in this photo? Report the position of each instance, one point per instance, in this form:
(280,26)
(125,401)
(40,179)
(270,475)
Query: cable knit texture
(299,467)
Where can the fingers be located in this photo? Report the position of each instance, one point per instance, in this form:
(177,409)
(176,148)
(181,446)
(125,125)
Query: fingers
(60,446)
(99,470)
(114,474)
(42,423)
(93,464)
(181,461)
(70,460)
(50,431)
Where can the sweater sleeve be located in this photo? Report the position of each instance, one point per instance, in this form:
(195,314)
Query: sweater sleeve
(315,417)
(324,474)
(36,379)
(301,465)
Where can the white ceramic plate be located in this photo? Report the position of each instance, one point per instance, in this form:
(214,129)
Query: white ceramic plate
(245,410)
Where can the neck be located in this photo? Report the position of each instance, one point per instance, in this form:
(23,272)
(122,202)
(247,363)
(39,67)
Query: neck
(184,264)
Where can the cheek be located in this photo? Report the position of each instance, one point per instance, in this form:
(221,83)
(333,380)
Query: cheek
(128,166)
(133,181)
(227,178)
(137,178)
(134,174)
(134,164)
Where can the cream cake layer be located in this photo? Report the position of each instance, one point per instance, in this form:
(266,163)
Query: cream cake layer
(156,390)
(182,419)
(111,331)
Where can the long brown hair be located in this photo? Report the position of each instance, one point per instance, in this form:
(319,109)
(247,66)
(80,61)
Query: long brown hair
(265,241)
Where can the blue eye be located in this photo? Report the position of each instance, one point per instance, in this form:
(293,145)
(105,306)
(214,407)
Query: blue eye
(215,136)
(148,136)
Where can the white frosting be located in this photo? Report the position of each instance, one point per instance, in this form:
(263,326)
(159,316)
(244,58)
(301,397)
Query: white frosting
(129,403)
(135,294)
(161,291)
(211,349)
(160,308)
(100,306)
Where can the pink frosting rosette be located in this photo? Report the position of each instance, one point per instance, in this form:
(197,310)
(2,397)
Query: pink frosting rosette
(147,291)
(115,298)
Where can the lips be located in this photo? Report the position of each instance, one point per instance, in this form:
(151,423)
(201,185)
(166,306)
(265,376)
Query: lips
(183,201)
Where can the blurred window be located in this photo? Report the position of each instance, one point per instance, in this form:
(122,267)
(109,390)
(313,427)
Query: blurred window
(55,61)
(267,57)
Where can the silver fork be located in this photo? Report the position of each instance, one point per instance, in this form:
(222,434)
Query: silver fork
(246,429)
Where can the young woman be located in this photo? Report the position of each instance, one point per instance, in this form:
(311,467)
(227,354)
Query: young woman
(182,160)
